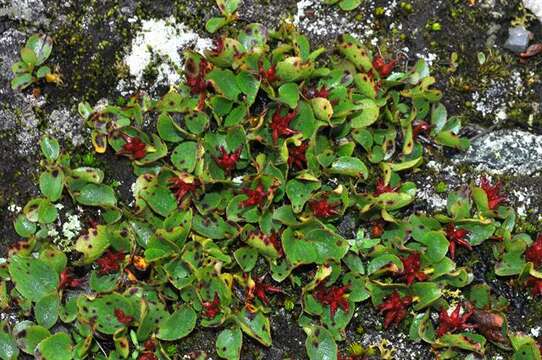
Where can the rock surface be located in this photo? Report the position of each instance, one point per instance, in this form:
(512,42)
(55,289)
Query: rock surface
(505,152)
(535,6)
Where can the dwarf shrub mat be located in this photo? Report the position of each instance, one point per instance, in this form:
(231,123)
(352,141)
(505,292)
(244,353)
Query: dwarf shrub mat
(244,172)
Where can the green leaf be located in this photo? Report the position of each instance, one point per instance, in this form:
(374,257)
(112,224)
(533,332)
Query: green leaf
(256,326)
(439,117)
(393,200)
(466,341)
(24,227)
(511,264)
(29,56)
(299,192)
(426,293)
(480,295)
(88,174)
(478,233)
(437,246)
(33,278)
(248,84)
(246,257)
(101,311)
(43,71)
(236,116)
(40,210)
(320,344)
(41,45)
(289,94)
(167,129)
(228,6)
(93,244)
(383,260)
(46,310)
(527,352)
(96,195)
(196,122)
(28,336)
(21,82)
(368,115)
(316,246)
(8,347)
(224,81)
(458,205)
(229,343)
(177,325)
(103,284)
(185,155)
(323,110)
(56,347)
(52,184)
(348,5)
(215,23)
(350,166)
(20,67)
(49,148)
(365,85)
(305,121)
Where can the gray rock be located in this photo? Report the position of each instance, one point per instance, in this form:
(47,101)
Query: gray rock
(510,152)
(518,39)
(535,6)
(28,10)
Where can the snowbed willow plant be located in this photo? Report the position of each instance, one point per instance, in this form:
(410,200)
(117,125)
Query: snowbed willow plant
(243,176)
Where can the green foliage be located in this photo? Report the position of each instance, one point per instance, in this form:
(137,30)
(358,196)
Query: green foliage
(30,69)
(255,160)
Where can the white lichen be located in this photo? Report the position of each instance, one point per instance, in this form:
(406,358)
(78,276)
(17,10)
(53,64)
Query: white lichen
(162,40)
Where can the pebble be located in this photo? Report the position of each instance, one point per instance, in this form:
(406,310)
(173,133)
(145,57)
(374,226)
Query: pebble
(518,39)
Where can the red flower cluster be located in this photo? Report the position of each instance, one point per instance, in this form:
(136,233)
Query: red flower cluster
(197,83)
(411,271)
(381,188)
(395,308)
(420,127)
(455,321)
(109,262)
(67,280)
(123,318)
(377,229)
(382,67)
(280,124)
(180,187)
(228,161)
(534,252)
(134,148)
(149,345)
(493,192)
(314,93)
(536,285)
(218,46)
(260,290)
(211,309)
(334,296)
(256,197)
(456,237)
(323,209)
(296,155)
(270,74)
